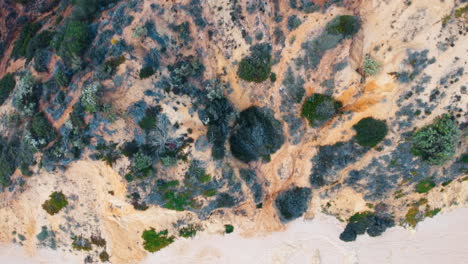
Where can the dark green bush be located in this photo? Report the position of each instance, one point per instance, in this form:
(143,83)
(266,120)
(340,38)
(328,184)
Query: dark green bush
(369,131)
(56,203)
(41,129)
(7,84)
(41,60)
(184,69)
(425,185)
(72,43)
(61,78)
(40,41)
(293,22)
(436,143)
(146,72)
(148,122)
(7,164)
(257,135)
(156,241)
(293,203)
(319,108)
(345,25)
(21,44)
(359,223)
(257,66)
(228,229)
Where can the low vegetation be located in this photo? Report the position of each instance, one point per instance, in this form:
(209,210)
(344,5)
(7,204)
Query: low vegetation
(370,131)
(363,222)
(21,44)
(425,185)
(436,143)
(293,203)
(319,108)
(345,25)
(7,84)
(257,135)
(57,202)
(228,229)
(189,231)
(154,241)
(257,66)
(370,67)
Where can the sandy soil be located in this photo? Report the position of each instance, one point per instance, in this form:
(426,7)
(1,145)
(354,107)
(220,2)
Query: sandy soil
(441,239)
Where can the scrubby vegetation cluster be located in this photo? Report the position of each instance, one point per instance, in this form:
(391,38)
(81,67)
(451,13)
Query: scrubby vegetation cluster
(319,108)
(436,143)
(363,222)
(56,203)
(292,203)
(257,134)
(257,66)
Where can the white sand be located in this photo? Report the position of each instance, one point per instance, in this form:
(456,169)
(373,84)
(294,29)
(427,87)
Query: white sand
(443,239)
(14,254)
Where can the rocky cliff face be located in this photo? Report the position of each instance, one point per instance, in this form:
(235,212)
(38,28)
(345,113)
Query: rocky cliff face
(187,116)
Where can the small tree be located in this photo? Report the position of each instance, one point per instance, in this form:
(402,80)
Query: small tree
(257,66)
(436,143)
(370,131)
(319,108)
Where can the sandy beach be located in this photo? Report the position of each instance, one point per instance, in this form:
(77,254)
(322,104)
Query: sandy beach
(442,239)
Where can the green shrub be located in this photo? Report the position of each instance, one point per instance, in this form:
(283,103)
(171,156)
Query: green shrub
(24,97)
(146,72)
(464,158)
(21,44)
(41,129)
(72,43)
(81,243)
(177,200)
(210,192)
(7,167)
(56,202)
(7,84)
(148,122)
(140,32)
(258,135)
(436,143)
(293,22)
(257,66)
(345,25)
(40,41)
(273,77)
(188,231)
(370,66)
(370,131)
(89,99)
(156,241)
(425,185)
(104,256)
(142,162)
(293,203)
(319,108)
(228,229)
(61,78)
